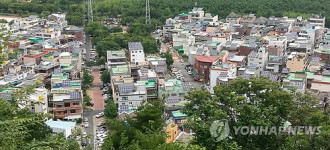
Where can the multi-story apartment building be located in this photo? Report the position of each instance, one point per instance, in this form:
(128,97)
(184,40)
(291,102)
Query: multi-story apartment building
(136,52)
(131,95)
(296,62)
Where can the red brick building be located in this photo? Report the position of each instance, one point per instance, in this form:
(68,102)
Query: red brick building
(202,66)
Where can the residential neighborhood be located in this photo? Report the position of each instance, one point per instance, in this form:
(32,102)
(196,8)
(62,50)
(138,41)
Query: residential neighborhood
(203,68)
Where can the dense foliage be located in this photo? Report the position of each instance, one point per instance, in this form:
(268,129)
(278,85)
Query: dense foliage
(105,41)
(43,8)
(87,80)
(256,102)
(134,10)
(25,130)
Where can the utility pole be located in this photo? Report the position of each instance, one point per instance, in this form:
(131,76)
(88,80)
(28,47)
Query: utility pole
(148,21)
(90,10)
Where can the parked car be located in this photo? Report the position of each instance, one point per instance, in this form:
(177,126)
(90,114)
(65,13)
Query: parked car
(84,134)
(100,124)
(181,61)
(86,125)
(189,72)
(86,119)
(83,143)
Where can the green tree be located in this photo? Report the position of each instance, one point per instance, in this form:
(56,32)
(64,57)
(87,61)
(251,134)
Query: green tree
(253,102)
(169,58)
(111,110)
(87,80)
(101,61)
(116,29)
(105,77)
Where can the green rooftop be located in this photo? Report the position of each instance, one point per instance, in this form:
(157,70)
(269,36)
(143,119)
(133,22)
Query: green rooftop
(67,68)
(122,69)
(149,83)
(177,85)
(61,76)
(292,76)
(322,50)
(178,113)
(35,39)
(184,14)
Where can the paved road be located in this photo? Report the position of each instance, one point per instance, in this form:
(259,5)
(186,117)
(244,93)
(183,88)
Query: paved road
(186,76)
(87,46)
(96,95)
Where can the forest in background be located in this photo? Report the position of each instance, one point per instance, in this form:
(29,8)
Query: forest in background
(134,10)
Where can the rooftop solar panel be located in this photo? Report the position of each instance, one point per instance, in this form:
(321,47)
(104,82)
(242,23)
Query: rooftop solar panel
(74,95)
(123,108)
(66,83)
(135,46)
(6,96)
(172,100)
(185,86)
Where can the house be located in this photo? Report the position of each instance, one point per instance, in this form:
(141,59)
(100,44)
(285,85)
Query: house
(323,52)
(34,56)
(246,19)
(179,119)
(77,32)
(232,17)
(71,64)
(317,20)
(37,102)
(296,62)
(297,81)
(151,87)
(158,64)
(131,95)
(321,82)
(172,132)
(136,52)
(275,64)
(202,67)
(277,46)
(64,127)
(258,58)
(196,14)
(221,73)
(67,106)
(115,58)
(175,90)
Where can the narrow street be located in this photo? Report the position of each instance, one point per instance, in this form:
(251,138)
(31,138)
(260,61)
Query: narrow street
(95,94)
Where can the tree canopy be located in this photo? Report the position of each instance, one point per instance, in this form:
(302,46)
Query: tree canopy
(255,102)
(25,130)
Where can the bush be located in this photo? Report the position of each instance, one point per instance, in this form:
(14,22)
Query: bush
(79,120)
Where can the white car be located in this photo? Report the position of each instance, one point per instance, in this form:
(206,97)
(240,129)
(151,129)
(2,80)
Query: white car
(189,72)
(181,61)
(84,134)
(86,125)
(98,116)
(86,119)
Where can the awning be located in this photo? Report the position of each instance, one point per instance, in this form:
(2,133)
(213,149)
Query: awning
(35,39)
(73,117)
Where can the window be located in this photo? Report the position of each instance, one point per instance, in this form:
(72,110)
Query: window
(133,55)
(130,103)
(181,94)
(73,111)
(59,106)
(140,51)
(173,94)
(124,98)
(132,51)
(123,103)
(66,104)
(140,96)
(76,103)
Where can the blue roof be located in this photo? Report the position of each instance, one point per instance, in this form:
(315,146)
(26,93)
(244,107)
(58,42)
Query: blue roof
(61,124)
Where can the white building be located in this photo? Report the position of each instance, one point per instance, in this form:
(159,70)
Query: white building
(131,95)
(38,101)
(221,73)
(317,20)
(136,52)
(196,14)
(64,127)
(259,58)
